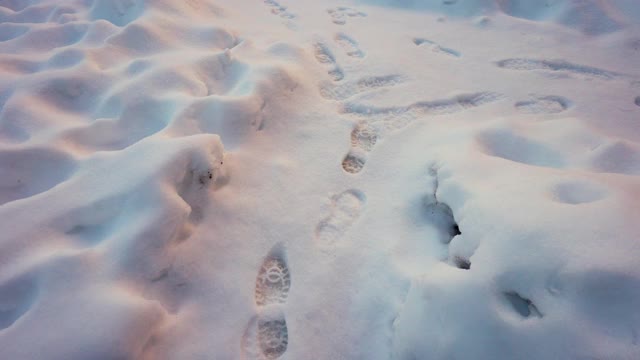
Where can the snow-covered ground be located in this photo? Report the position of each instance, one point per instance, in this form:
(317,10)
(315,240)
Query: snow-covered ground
(357,179)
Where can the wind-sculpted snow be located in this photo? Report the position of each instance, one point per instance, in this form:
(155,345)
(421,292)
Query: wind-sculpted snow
(113,116)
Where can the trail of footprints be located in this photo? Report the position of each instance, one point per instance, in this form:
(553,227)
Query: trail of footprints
(266,336)
(372,122)
(326,57)
(375,122)
(348,44)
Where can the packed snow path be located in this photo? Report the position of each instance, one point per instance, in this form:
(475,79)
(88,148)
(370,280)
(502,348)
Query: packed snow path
(366,179)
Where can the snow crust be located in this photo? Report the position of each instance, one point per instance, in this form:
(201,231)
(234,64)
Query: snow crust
(366,179)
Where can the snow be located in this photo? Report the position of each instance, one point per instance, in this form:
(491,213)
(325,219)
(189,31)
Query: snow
(365,179)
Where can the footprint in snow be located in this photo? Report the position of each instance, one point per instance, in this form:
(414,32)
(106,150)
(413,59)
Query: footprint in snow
(346,208)
(349,45)
(543,105)
(266,336)
(273,281)
(324,56)
(340,14)
(353,162)
(363,138)
(436,48)
(357,87)
(273,336)
(279,10)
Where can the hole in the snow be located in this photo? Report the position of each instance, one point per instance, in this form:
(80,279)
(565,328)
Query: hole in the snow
(521,305)
(455,230)
(462,263)
(441,215)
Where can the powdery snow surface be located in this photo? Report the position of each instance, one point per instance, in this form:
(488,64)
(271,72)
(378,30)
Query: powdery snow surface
(365,179)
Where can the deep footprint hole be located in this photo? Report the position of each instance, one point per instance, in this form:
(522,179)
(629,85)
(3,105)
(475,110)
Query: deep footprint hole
(523,306)
(455,229)
(441,216)
(462,263)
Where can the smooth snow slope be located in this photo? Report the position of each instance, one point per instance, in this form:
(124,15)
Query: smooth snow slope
(365,179)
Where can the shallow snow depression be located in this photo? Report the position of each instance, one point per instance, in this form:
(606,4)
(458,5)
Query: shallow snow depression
(365,179)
